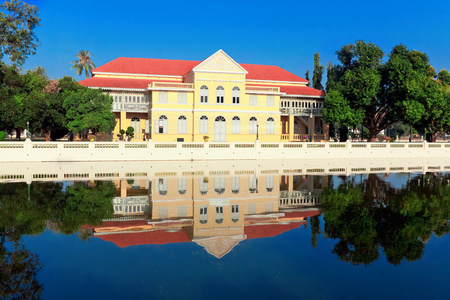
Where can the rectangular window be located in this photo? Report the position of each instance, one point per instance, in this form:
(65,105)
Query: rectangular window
(182,97)
(236,100)
(219,99)
(253,100)
(270,100)
(163,97)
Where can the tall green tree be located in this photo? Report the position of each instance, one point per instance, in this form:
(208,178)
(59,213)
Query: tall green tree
(18,21)
(367,91)
(84,62)
(307,78)
(88,109)
(444,77)
(318,72)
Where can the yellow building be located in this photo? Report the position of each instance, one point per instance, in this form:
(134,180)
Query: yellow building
(215,99)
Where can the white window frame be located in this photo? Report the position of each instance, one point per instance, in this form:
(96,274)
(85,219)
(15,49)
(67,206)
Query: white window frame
(204,94)
(270,100)
(161,122)
(236,125)
(163,97)
(182,125)
(253,100)
(182,98)
(270,127)
(253,122)
(203,128)
(220,95)
(236,95)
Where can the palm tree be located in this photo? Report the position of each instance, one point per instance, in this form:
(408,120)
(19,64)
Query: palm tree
(84,61)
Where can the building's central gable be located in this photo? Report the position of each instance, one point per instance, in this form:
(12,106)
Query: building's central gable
(219,62)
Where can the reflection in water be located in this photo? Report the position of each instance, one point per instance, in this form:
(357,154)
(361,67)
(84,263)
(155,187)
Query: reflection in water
(364,214)
(216,212)
(371,215)
(29,210)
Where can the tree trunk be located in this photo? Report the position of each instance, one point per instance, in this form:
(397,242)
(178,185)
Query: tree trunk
(18,130)
(343,134)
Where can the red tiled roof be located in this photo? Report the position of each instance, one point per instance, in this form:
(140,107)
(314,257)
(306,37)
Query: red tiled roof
(171,67)
(301,90)
(116,83)
(151,66)
(155,237)
(263,72)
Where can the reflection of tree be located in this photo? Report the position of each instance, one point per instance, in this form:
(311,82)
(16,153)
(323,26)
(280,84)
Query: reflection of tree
(314,223)
(27,213)
(372,215)
(18,271)
(77,205)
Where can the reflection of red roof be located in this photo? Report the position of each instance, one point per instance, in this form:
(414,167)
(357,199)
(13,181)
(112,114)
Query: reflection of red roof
(301,90)
(300,214)
(270,230)
(154,237)
(169,67)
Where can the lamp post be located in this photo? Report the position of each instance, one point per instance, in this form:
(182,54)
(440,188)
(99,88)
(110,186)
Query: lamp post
(28,130)
(257,131)
(410,132)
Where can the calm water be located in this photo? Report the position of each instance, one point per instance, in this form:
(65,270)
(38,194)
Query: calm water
(377,236)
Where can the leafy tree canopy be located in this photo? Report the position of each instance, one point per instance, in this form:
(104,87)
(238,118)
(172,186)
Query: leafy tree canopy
(17,23)
(88,109)
(362,89)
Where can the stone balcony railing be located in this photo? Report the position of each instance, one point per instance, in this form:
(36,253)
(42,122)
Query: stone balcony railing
(130,107)
(301,111)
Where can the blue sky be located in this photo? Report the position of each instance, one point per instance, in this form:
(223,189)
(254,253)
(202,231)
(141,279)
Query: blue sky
(282,33)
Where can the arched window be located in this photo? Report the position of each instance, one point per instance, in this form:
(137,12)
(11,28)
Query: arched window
(161,124)
(182,125)
(270,128)
(234,213)
(252,125)
(203,185)
(220,94)
(220,129)
(204,93)
(235,185)
(236,94)
(136,124)
(269,183)
(219,185)
(203,124)
(219,214)
(203,214)
(236,125)
(253,184)
(162,186)
(182,186)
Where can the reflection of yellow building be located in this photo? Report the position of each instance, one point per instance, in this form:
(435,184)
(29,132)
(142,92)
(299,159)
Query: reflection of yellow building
(216,212)
(215,98)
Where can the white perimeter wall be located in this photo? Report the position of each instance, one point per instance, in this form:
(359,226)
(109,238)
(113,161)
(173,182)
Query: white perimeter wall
(128,151)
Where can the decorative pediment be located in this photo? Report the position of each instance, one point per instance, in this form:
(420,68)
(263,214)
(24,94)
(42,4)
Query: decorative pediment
(220,62)
(219,246)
